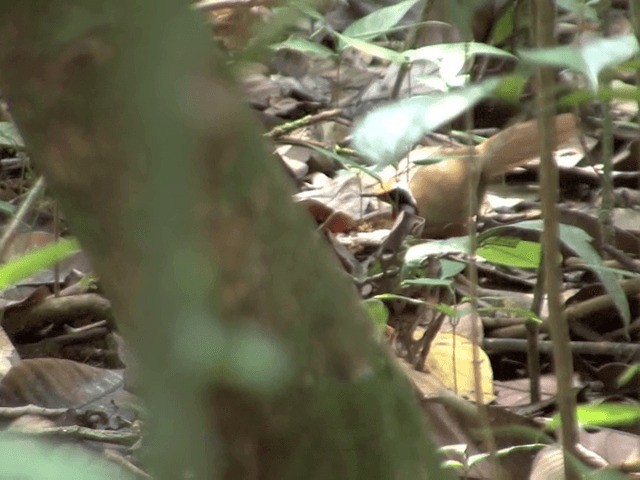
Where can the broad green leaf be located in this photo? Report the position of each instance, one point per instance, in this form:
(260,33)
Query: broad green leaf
(578,241)
(603,415)
(576,98)
(7,208)
(617,90)
(377,312)
(620,89)
(563,56)
(372,49)
(511,87)
(606,53)
(461,13)
(23,457)
(417,254)
(305,46)
(22,267)
(450,268)
(580,8)
(605,475)
(572,237)
(508,251)
(590,59)
(378,22)
(389,132)
(305,9)
(452,57)
(615,271)
(444,51)
(10,136)
(631,65)
(437,82)
(511,252)
(503,27)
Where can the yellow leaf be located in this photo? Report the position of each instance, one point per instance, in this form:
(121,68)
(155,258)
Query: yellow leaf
(450,359)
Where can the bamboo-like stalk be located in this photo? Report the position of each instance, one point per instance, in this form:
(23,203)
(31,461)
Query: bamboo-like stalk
(549,186)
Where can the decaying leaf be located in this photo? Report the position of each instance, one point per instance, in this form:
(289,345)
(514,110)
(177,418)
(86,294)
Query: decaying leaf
(451,361)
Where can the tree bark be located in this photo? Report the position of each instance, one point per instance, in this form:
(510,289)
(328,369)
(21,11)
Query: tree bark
(144,141)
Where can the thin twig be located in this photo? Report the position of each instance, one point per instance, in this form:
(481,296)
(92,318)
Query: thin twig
(20,215)
(303,122)
(211,5)
(496,345)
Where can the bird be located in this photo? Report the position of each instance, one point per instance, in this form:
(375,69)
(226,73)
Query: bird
(441,192)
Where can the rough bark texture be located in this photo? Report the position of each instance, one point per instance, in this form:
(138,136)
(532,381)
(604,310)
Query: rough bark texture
(74,80)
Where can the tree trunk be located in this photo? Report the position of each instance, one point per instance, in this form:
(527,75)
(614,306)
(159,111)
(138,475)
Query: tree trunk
(235,307)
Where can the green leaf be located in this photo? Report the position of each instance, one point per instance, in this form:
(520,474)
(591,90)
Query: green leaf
(445,51)
(622,90)
(452,57)
(417,254)
(605,475)
(393,296)
(371,49)
(576,98)
(578,241)
(30,459)
(22,267)
(441,307)
(563,56)
(511,252)
(453,465)
(511,87)
(603,415)
(10,136)
(630,372)
(378,22)
(459,449)
(631,65)
(580,8)
(503,452)
(305,9)
(305,46)
(7,208)
(503,27)
(389,132)
(377,312)
(346,162)
(450,268)
(462,13)
(589,59)
(427,282)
